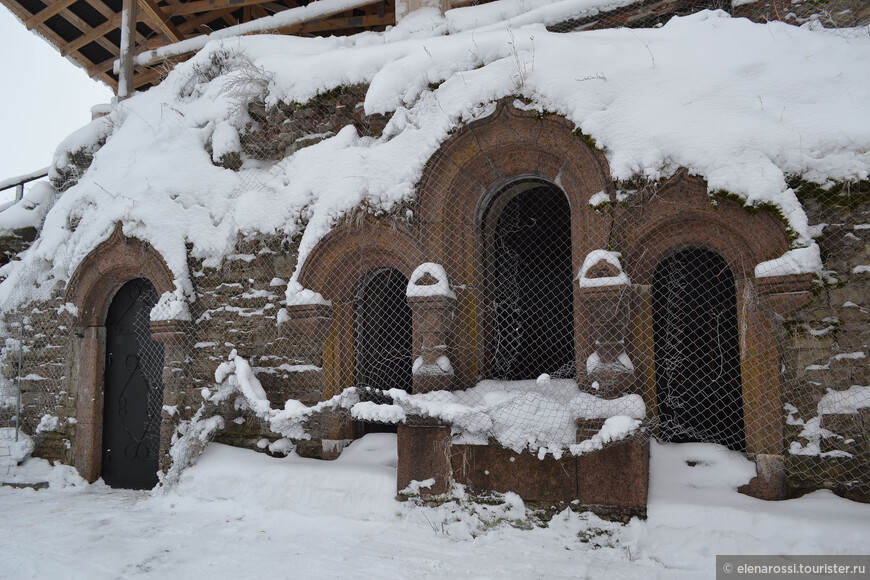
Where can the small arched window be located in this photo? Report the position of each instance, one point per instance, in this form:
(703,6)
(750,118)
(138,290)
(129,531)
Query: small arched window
(529,290)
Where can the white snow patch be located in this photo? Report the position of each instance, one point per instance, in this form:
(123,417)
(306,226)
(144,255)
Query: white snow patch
(299,296)
(797,261)
(593,258)
(171,306)
(848,401)
(439,286)
(46,424)
(441,367)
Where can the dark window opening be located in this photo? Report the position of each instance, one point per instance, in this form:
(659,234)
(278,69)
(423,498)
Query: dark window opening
(530,315)
(382,341)
(697,351)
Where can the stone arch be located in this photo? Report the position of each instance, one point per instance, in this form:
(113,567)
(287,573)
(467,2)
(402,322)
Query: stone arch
(335,268)
(104,270)
(340,260)
(681,215)
(91,289)
(471,168)
(508,146)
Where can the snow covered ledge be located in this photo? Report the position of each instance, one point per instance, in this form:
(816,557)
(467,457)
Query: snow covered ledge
(307,314)
(784,284)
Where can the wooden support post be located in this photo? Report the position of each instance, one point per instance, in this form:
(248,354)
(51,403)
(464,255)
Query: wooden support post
(128,36)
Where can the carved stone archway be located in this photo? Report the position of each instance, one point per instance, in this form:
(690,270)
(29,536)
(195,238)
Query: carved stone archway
(335,269)
(476,165)
(91,288)
(680,215)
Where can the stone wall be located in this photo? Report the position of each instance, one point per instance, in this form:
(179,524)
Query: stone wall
(829,345)
(45,367)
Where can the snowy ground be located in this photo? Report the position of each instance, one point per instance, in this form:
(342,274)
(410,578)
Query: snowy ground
(241,514)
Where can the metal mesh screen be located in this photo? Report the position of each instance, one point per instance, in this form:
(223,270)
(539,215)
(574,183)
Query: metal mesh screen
(697,354)
(513,350)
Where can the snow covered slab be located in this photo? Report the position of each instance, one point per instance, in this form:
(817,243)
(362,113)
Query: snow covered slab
(742,104)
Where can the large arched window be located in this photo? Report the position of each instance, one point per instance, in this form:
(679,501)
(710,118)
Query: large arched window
(697,351)
(528,273)
(382,338)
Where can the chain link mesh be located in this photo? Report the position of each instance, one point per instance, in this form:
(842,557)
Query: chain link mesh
(522,360)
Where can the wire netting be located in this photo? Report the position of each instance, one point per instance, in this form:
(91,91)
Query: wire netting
(510,339)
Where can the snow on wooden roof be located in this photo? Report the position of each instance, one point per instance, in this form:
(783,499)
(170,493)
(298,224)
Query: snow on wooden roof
(89,31)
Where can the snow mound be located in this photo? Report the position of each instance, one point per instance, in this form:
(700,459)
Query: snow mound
(652,99)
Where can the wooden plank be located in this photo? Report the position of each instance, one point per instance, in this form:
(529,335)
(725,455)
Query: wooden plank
(194,23)
(150,76)
(258,12)
(158,17)
(47,12)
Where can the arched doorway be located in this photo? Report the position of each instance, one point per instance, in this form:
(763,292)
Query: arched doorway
(697,351)
(529,290)
(382,340)
(133,390)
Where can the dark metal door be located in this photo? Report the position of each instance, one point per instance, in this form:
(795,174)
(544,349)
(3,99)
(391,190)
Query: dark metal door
(133,390)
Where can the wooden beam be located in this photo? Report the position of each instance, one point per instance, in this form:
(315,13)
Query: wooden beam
(194,23)
(95,33)
(47,12)
(128,45)
(258,12)
(208,5)
(158,17)
(150,76)
(348,22)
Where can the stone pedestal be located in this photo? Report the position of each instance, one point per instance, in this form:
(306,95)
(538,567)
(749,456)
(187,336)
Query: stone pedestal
(607,371)
(424,454)
(431,320)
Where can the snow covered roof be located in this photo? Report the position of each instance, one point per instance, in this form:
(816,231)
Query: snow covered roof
(742,104)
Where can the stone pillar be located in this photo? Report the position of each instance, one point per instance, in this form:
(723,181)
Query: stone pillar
(89,355)
(605,296)
(424,446)
(431,320)
(612,481)
(762,303)
(307,326)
